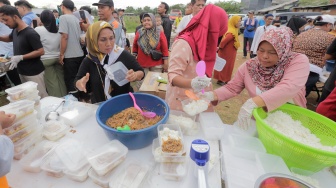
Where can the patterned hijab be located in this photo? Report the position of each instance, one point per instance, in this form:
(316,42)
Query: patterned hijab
(233,21)
(202,34)
(268,77)
(92,35)
(149,38)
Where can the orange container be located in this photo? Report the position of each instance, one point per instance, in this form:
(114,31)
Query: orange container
(3,182)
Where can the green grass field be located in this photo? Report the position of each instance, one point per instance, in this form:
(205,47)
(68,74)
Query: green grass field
(131,22)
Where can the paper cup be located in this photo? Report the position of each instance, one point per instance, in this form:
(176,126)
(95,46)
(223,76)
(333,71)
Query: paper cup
(220,63)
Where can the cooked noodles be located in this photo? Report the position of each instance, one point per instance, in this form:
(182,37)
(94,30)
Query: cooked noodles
(133,118)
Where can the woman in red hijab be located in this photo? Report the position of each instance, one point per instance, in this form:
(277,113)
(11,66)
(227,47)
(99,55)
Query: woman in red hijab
(198,41)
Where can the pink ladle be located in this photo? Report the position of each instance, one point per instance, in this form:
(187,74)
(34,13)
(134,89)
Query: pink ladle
(146,114)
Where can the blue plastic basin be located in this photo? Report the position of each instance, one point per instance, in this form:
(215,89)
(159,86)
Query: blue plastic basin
(134,139)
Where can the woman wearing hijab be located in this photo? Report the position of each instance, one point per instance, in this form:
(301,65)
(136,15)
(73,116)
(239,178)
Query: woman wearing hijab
(228,50)
(50,38)
(196,42)
(95,73)
(148,39)
(276,76)
(296,24)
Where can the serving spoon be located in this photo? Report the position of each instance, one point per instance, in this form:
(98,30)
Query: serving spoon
(146,114)
(53,115)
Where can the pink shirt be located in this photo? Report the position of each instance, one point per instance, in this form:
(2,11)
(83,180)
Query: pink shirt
(290,88)
(181,63)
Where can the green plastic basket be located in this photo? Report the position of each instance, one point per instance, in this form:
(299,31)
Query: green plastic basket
(292,152)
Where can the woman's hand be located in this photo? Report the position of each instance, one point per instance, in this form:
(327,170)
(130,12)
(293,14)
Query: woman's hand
(81,84)
(199,83)
(6,120)
(132,76)
(165,65)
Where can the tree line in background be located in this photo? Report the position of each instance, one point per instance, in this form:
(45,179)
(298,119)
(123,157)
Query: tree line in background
(229,6)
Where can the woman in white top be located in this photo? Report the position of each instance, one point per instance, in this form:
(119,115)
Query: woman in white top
(50,38)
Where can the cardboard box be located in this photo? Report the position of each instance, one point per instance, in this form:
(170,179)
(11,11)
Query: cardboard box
(152,86)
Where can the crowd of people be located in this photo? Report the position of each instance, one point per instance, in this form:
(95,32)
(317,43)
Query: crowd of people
(69,54)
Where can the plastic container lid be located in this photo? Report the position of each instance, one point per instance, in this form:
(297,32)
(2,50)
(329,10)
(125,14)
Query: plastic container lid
(76,115)
(102,181)
(54,130)
(173,171)
(119,72)
(247,142)
(107,157)
(20,108)
(32,96)
(53,165)
(187,123)
(167,132)
(22,90)
(80,175)
(212,125)
(130,176)
(219,64)
(33,160)
(72,154)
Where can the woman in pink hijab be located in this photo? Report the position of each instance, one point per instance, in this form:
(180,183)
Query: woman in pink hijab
(276,76)
(198,41)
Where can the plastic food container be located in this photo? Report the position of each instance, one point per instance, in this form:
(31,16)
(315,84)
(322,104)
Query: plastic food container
(102,181)
(23,133)
(33,160)
(212,126)
(20,108)
(20,155)
(28,141)
(194,107)
(168,133)
(129,176)
(80,175)
(21,91)
(21,124)
(107,157)
(72,154)
(173,171)
(119,72)
(76,115)
(54,130)
(33,97)
(187,123)
(53,165)
(246,142)
(3,66)
(159,156)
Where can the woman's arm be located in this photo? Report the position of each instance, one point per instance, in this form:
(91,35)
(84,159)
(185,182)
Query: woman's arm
(135,43)
(83,75)
(164,50)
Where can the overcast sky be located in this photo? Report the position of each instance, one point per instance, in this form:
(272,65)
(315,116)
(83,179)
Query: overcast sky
(117,3)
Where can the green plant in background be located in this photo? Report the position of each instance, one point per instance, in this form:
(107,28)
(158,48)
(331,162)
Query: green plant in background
(313,2)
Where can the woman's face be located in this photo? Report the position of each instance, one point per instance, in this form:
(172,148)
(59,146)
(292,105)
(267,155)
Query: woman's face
(106,41)
(238,24)
(267,55)
(147,22)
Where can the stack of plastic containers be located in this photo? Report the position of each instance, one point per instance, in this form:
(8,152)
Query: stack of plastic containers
(25,91)
(188,124)
(245,160)
(104,159)
(173,164)
(212,125)
(25,130)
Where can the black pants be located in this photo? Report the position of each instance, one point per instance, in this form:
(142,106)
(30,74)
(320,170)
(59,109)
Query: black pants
(250,40)
(311,82)
(71,67)
(13,76)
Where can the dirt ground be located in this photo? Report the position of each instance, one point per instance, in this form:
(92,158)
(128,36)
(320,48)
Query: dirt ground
(228,110)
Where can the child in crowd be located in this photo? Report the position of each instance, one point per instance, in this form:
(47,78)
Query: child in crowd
(158,22)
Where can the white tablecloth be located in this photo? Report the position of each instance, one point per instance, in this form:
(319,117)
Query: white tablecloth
(92,136)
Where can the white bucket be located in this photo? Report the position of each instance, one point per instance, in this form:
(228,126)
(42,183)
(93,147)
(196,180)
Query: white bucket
(220,63)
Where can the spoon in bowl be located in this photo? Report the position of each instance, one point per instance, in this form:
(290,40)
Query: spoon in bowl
(53,115)
(146,114)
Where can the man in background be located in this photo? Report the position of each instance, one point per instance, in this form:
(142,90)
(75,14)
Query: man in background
(105,10)
(24,8)
(121,17)
(163,9)
(27,48)
(71,53)
(56,14)
(6,48)
(196,6)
